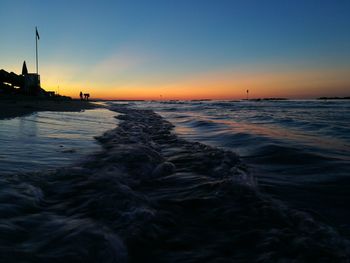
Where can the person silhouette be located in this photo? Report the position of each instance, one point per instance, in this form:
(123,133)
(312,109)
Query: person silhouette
(81,95)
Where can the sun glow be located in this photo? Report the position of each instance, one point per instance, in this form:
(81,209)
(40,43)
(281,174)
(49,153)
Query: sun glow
(213,85)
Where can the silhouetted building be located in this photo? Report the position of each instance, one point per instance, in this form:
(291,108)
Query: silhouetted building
(31,85)
(26,83)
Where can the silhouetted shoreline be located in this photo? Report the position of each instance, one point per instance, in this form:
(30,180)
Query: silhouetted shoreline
(334,98)
(16,107)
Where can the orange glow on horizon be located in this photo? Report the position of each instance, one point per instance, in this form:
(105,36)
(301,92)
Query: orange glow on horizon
(221,85)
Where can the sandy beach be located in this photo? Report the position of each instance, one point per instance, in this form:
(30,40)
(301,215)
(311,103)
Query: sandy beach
(15,107)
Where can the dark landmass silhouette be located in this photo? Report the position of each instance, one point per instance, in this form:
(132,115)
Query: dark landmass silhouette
(17,106)
(267,99)
(334,98)
(22,95)
(26,84)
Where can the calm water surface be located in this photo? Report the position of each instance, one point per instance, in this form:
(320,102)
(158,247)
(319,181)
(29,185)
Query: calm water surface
(47,140)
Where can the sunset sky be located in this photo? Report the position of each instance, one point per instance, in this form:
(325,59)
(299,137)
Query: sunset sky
(182,49)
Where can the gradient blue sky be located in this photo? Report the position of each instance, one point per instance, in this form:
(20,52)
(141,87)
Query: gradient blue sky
(182,49)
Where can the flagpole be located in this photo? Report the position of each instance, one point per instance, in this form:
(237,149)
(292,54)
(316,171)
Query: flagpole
(36,47)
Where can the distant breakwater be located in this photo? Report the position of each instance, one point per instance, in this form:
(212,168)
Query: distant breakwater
(149,196)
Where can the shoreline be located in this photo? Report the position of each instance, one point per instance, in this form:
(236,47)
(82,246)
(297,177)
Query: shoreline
(14,107)
(149,196)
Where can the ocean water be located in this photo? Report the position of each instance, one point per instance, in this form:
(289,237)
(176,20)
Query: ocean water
(49,140)
(299,151)
(147,195)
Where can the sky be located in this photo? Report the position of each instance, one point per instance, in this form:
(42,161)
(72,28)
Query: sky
(181,49)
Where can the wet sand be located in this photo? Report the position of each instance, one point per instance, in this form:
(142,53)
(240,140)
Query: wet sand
(10,108)
(149,196)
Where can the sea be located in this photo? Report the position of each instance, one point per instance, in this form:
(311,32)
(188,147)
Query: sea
(297,152)
(45,140)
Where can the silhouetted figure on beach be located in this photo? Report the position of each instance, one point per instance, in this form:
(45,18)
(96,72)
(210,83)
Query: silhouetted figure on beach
(81,95)
(86,96)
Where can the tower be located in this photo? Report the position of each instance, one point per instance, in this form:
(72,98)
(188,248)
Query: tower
(24,68)
(31,81)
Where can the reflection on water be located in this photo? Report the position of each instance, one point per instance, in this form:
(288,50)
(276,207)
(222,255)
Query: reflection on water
(271,135)
(219,129)
(299,151)
(47,140)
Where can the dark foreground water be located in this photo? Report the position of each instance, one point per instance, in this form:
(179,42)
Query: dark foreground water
(299,151)
(150,196)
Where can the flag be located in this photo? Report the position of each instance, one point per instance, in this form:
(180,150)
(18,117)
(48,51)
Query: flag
(37,33)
